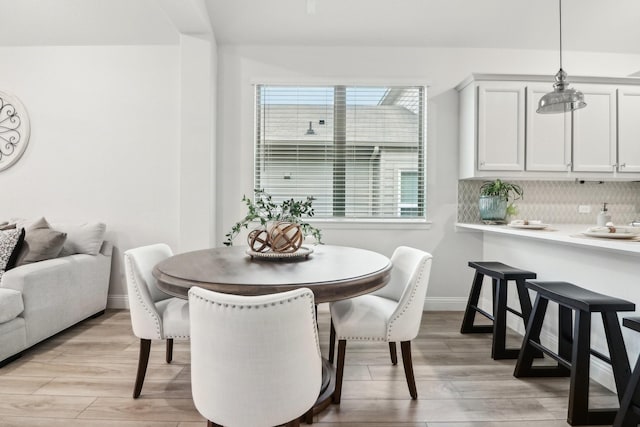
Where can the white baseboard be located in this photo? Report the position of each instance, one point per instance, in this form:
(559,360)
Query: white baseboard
(118,301)
(445,303)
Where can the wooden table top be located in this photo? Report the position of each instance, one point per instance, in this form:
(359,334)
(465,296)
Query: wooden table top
(331,272)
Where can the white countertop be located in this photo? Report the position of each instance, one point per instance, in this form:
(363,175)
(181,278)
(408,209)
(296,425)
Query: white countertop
(566,234)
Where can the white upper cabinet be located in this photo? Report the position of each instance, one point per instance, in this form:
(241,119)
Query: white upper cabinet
(501,111)
(502,136)
(629,129)
(594,130)
(548,136)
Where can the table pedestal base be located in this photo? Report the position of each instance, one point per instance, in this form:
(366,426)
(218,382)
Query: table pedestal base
(326,391)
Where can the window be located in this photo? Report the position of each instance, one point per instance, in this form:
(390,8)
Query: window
(359,151)
(408,204)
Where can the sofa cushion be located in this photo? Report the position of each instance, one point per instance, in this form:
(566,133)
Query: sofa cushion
(40,243)
(84,238)
(11,304)
(10,240)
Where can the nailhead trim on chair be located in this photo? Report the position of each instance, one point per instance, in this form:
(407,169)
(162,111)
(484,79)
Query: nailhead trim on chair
(257,306)
(411,298)
(139,297)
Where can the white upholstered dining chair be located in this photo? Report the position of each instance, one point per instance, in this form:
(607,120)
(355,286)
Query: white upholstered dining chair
(255,360)
(391,314)
(154,314)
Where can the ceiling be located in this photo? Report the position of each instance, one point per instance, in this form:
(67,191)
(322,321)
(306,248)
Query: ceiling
(593,25)
(590,25)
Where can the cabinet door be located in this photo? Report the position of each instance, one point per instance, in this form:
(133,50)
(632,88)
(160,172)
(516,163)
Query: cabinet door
(548,142)
(594,130)
(501,126)
(629,129)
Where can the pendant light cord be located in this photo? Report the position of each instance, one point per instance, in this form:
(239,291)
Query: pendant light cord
(560,4)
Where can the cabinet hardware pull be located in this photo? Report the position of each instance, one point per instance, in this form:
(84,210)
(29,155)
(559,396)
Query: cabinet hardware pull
(623,165)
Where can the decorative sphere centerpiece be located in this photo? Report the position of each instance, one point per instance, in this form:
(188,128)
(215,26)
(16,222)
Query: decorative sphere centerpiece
(282,228)
(285,237)
(258,240)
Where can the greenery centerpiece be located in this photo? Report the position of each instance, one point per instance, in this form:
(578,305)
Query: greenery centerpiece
(497,199)
(263,210)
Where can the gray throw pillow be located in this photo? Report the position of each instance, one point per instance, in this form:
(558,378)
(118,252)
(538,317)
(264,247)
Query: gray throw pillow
(40,243)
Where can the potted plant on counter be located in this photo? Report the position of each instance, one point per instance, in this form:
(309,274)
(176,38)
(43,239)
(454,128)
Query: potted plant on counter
(496,199)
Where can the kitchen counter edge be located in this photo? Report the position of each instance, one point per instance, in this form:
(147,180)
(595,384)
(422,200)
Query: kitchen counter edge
(566,234)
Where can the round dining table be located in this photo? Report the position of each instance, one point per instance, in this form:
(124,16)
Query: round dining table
(331,272)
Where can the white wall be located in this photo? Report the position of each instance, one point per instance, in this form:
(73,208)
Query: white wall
(197,125)
(111,138)
(240,67)
(104,141)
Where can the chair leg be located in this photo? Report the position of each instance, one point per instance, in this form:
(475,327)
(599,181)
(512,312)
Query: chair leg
(308,416)
(169,350)
(332,342)
(337,393)
(405,347)
(145,348)
(393,353)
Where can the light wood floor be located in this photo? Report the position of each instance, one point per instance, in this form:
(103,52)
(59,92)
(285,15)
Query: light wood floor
(84,378)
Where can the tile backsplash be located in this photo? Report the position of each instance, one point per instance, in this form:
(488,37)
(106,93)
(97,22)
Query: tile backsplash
(556,202)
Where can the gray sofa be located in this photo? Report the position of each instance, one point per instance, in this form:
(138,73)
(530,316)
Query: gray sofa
(40,299)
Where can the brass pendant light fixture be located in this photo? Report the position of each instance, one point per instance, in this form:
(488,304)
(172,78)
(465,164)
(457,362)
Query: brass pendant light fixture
(563,99)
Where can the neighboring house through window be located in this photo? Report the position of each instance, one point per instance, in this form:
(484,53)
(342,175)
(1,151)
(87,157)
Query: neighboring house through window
(359,151)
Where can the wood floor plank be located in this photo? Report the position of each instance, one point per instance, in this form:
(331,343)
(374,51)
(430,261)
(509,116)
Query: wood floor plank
(48,369)
(71,422)
(22,385)
(43,406)
(378,390)
(113,408)
(548,423)
(436,410)
(123,387)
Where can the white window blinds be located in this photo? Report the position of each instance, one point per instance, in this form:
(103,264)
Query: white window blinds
(359,151)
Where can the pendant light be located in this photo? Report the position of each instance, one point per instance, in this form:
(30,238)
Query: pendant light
(563,98)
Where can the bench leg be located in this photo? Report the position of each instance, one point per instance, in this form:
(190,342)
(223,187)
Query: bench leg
(565,332)
(617,352)
(524,365)
(525,301)
(626,416)
(472,305)
(578,410)
(498,348)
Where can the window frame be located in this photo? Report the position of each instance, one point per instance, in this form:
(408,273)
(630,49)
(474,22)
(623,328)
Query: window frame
(350,223)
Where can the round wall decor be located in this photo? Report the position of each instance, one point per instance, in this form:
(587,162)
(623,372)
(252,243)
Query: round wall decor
(14,130)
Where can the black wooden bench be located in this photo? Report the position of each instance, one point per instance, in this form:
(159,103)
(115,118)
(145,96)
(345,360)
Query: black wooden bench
(574,344)
(500,274)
